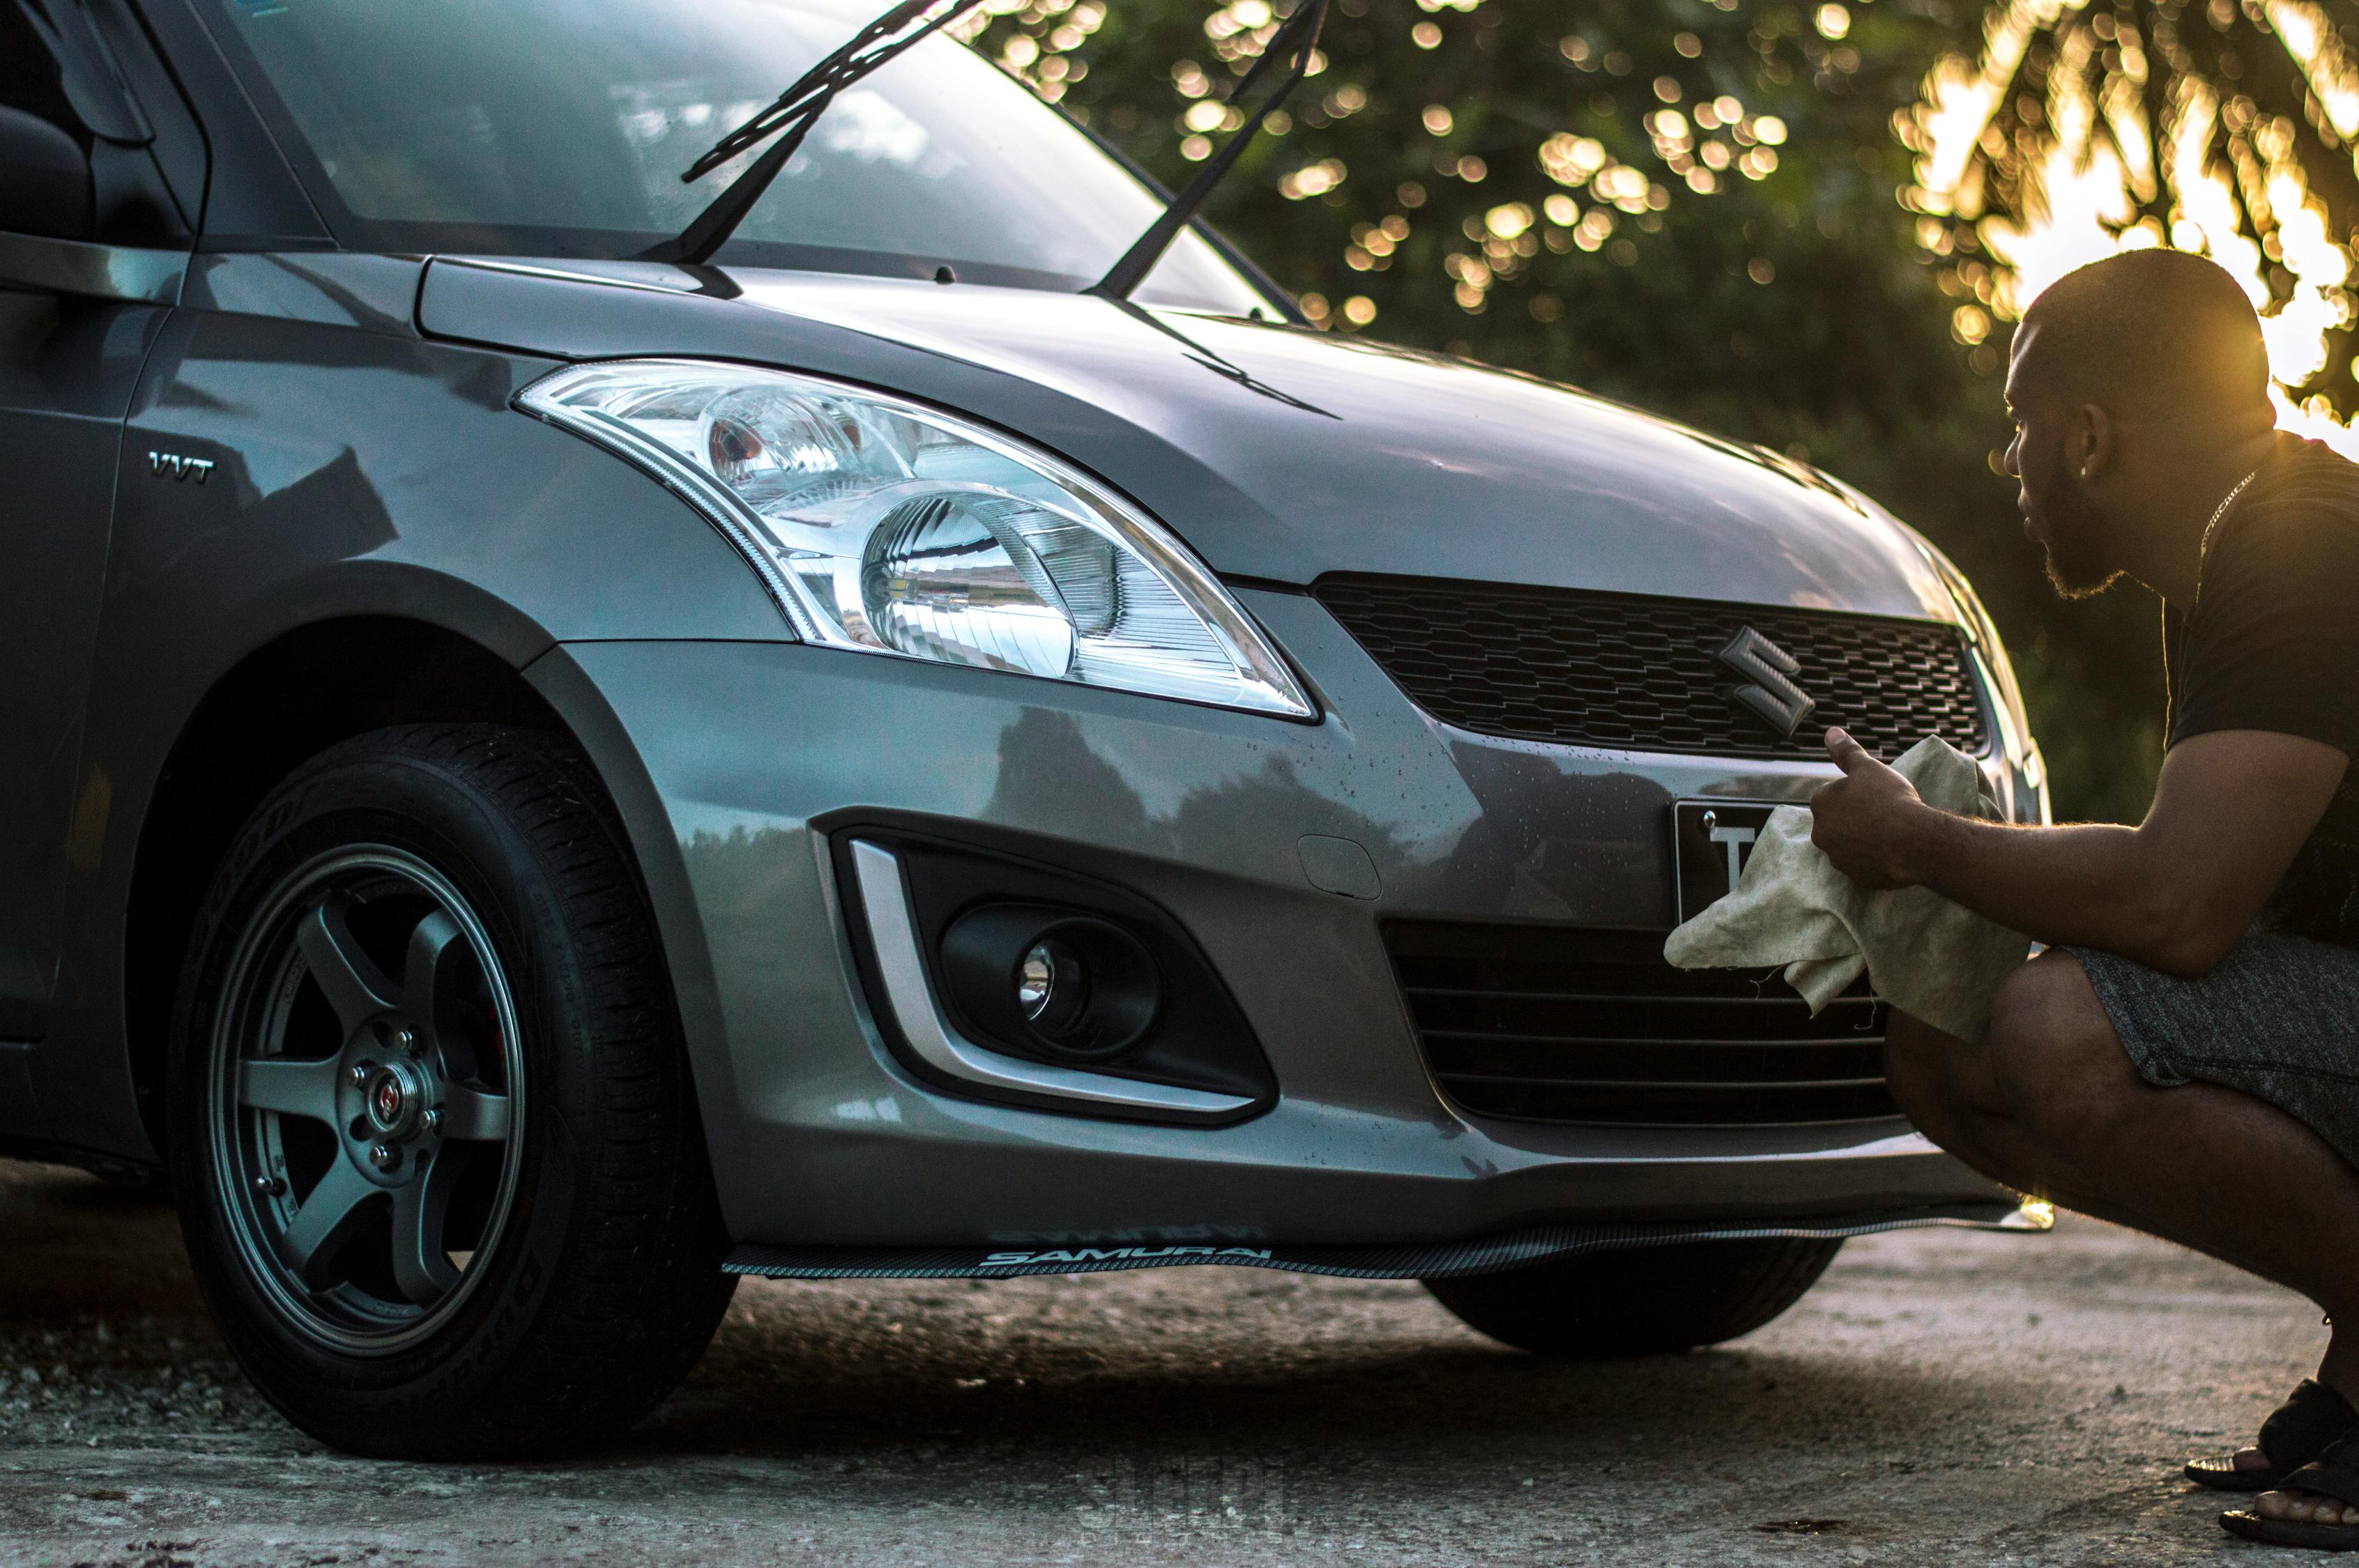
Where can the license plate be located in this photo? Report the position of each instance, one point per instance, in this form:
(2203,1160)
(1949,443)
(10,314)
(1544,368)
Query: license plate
(1711,841)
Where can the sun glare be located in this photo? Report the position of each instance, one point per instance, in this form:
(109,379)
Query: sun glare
(2032,162)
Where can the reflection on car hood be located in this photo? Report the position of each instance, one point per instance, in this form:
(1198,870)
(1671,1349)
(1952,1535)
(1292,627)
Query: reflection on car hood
(1278,452)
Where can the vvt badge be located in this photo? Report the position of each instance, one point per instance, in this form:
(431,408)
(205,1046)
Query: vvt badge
(1772,696)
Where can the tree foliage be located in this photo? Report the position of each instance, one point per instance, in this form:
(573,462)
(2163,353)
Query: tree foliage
(2217,127)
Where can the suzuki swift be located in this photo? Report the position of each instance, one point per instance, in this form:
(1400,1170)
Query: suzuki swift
(888,709)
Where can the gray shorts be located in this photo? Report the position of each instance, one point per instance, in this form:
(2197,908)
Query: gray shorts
(2277,1018)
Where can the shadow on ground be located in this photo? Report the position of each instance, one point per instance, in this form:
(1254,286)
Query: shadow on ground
(1942,1397)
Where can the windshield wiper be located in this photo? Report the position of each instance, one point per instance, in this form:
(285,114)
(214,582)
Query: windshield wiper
(1298,39)
(794,111)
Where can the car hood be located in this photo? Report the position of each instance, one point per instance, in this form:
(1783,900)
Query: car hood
(1278,452)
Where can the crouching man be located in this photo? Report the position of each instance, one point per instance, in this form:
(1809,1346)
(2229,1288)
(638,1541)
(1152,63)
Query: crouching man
(2184,1058)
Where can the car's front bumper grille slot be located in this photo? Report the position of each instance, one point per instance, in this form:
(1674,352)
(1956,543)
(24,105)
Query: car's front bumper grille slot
(1568,1024)
(1643,674)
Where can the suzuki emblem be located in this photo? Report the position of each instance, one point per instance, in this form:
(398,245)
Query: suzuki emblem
(1772,696)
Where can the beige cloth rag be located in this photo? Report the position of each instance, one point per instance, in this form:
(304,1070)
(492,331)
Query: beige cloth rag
(1933,959)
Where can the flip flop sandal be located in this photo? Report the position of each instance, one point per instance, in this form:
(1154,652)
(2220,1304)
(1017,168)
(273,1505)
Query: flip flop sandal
(2333,1474)
(2296,1433)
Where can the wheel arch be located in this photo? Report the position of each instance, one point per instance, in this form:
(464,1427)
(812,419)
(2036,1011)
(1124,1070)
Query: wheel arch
(291,697)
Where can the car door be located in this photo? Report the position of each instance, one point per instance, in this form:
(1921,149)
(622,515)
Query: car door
(93,244)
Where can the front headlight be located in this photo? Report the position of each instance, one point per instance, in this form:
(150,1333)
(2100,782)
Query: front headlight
(889,527)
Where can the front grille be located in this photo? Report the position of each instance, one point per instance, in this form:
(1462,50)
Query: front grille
(1599,669)
(1570,1026)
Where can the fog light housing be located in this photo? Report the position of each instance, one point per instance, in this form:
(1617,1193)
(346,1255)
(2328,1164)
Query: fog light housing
(940,932)
(1050,981)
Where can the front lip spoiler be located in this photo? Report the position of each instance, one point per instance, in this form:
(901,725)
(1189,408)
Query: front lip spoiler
(1395,1261)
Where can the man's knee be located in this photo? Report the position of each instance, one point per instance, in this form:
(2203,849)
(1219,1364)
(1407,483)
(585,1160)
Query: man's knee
(1939,1082)
(2057,1067)
(1918,1067)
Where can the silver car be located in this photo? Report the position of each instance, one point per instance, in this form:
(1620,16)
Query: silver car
(552,762)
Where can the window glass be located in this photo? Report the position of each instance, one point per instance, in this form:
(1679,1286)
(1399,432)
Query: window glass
(561,128)
(28,77)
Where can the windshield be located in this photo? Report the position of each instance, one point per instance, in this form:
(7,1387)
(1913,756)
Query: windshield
(560,127)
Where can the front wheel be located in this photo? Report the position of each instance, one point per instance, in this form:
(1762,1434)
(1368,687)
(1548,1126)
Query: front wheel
(1640,1301)
(433,1136)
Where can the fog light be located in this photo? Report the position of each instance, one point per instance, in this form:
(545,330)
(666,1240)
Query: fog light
(966,955)
(1050,981)
(1052,988)
(1036,981)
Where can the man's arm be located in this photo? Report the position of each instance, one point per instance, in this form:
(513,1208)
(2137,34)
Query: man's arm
(2231,810)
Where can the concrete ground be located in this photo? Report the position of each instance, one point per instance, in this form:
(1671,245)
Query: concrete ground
(1942,1397)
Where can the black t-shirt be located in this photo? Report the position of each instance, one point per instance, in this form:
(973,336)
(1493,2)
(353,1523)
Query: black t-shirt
(2272,642)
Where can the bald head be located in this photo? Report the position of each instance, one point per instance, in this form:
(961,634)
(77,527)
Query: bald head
(2148,335)
(2140,393)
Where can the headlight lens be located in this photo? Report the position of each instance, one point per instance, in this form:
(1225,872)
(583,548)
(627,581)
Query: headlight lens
(889,527)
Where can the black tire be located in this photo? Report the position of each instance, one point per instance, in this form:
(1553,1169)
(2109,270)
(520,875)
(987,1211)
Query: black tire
(521,1252)
(1642,1300)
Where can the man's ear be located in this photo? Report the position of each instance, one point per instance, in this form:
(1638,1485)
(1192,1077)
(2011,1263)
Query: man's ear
(2096,441)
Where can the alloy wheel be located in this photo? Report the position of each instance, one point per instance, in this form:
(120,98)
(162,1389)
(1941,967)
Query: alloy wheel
(367,1102)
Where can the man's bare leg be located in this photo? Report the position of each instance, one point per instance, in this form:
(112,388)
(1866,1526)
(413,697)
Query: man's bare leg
(2049,1104)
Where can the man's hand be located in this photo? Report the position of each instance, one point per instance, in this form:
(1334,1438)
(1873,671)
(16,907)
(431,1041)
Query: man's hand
(1864,819)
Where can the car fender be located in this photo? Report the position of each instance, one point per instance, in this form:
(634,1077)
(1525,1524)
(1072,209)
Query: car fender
(351,470)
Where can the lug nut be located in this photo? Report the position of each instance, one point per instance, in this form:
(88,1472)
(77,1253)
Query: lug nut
(385,1156)
(406,1039)
(431,1121)
(359,1073)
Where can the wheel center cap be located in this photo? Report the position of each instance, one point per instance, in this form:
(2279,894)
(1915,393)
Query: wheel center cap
(396,1099)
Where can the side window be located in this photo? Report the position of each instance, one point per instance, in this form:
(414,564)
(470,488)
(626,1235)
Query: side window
(74,158)
(44,174)
(29,75)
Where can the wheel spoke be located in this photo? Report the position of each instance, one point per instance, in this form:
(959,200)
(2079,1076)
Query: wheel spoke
(420,1266)
(474,1114)
(326,1217)
(290,1088)
(355,987)
(430,972)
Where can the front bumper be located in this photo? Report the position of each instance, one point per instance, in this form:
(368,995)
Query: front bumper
(736,759)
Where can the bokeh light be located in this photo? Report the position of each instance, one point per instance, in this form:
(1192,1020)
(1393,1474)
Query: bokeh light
(2082,130)
(2076,129)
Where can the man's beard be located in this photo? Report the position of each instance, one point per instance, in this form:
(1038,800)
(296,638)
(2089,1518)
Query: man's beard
(2068,526)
